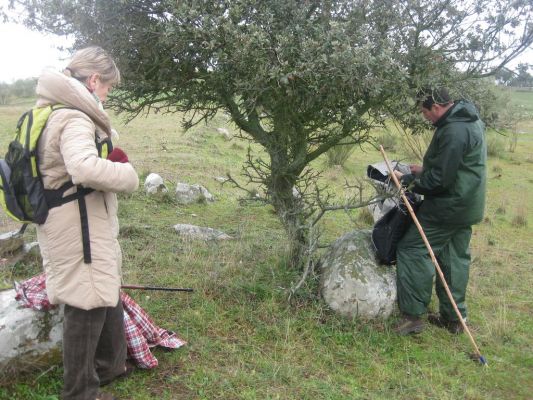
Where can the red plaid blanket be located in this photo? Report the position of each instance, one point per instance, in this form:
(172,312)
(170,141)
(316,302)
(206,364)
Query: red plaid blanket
(141,332)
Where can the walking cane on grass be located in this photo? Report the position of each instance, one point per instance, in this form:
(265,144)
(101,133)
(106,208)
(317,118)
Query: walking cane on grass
(477,355)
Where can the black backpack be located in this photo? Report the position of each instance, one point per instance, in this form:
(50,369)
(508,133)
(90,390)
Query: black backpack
(391,227)
(22,194)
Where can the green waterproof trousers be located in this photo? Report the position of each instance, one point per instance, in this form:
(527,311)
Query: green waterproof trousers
(415,270)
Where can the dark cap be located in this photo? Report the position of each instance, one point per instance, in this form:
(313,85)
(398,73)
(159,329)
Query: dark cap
(429,96)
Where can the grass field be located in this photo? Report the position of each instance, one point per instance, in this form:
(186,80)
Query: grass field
(523,98)
(246,340)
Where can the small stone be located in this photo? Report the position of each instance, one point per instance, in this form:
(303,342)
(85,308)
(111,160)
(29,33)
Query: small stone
(224,132)
(154,183)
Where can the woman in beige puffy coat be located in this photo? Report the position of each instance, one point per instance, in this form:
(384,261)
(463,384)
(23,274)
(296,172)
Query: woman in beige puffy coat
(94,346)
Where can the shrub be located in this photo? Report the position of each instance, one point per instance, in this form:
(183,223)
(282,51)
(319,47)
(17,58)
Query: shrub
(414,146)
(388,140)
(339,154)
(365,217)
(520,218)
(500,210)
(495,146)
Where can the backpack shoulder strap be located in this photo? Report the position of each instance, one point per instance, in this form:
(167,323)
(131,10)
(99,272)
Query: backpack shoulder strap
(56,197)
(104,147)
(29,129)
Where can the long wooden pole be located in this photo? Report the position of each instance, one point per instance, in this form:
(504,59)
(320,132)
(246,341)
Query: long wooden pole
(433,258)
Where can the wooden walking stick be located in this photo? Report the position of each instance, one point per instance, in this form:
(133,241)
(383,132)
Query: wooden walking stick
(477,354)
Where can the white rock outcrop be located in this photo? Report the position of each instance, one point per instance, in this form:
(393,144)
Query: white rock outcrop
(26,335)
(154,183)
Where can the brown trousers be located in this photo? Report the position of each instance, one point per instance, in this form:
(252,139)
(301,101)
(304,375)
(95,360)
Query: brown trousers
(94,349)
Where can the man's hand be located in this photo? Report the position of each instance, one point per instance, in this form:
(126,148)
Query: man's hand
(404,179)
(398,174)
(415,169)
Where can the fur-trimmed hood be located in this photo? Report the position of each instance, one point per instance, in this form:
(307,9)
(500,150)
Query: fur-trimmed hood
(55,87)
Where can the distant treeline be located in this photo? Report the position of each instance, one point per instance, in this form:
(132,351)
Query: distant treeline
(21,88)
(520,78)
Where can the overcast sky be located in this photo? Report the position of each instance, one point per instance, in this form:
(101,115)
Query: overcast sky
(24,53)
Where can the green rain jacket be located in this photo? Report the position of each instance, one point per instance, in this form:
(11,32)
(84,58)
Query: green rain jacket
(453,177)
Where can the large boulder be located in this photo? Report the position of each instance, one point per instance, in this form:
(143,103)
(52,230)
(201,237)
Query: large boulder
(353,283)
(27,337)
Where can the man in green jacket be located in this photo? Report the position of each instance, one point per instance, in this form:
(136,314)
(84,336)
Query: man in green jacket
(452,180)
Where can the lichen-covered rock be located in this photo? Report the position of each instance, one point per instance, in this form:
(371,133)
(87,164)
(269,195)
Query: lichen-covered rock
(201,232)
(10,242)
(189,194)
(353,283)
(27,336)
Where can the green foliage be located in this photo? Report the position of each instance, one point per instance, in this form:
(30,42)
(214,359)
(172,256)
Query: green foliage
(519,78)
(339,154)
(4,93)
(414,146)
(495,144)
(296,77)
(21,88)
(388,140)
(365,218)
(490,100)
(520,219)
(522,99)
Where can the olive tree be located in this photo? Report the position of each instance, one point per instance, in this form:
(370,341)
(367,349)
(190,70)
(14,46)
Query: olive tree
(295,76)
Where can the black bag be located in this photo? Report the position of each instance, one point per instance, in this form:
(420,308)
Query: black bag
(380,172)
(390,228)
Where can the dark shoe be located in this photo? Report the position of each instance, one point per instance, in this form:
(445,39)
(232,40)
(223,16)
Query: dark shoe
(408,325)
(105,396)
(454,327)
(128,369)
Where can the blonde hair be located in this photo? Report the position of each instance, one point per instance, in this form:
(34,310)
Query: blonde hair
(93,60)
